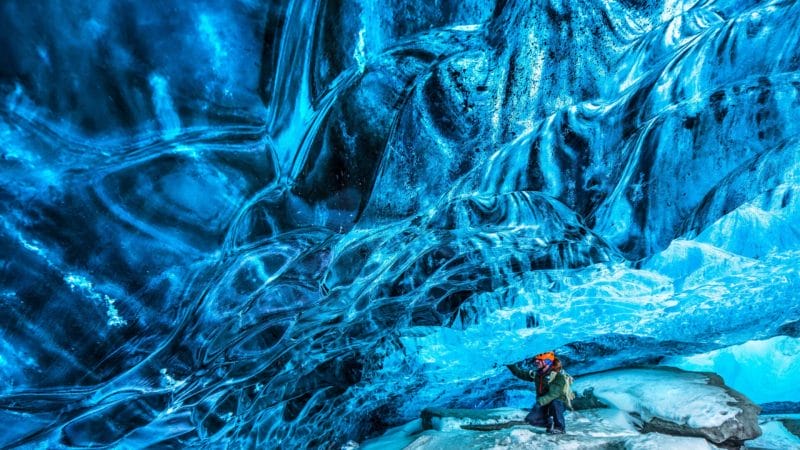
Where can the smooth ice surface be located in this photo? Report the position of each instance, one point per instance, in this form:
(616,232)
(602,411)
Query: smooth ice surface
(751,366)
(243,222)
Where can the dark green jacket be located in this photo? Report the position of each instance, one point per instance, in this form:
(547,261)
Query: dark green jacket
(553,389)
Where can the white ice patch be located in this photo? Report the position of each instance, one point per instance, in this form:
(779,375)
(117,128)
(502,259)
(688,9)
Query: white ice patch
(469,27)
(80,283)
(114,319)
(169,381)
(368,33)
(165,111)
(359,53)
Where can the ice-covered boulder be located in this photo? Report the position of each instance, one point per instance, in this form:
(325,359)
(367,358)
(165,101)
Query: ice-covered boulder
(676,402)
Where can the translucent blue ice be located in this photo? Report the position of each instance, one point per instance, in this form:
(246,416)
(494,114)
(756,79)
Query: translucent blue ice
(747,367)
(295,224)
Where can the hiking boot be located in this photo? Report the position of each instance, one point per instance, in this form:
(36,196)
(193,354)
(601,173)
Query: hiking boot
(554,431)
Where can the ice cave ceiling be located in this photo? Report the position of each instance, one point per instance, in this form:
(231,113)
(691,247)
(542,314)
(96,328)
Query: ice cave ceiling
(293,224)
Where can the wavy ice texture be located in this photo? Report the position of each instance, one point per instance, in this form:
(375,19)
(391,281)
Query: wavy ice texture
(297,223)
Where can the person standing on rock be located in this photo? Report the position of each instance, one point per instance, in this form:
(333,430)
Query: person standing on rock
(551,394)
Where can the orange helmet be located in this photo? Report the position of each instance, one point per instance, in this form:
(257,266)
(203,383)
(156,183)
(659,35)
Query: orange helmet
(546,357)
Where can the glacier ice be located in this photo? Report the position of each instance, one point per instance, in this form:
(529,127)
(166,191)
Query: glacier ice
(745,367)
(297,223)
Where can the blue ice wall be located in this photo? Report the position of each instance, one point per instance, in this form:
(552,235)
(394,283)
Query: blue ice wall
(292,224)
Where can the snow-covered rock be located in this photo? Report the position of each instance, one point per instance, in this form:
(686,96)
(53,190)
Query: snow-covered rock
(677,402)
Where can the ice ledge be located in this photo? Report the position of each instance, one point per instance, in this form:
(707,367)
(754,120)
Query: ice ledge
(442,419)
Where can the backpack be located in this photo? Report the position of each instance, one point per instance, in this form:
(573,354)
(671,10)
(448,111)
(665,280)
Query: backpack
(568,392)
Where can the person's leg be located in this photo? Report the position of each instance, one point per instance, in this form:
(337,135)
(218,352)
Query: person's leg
(547,411)
(556,411)
(537,416)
